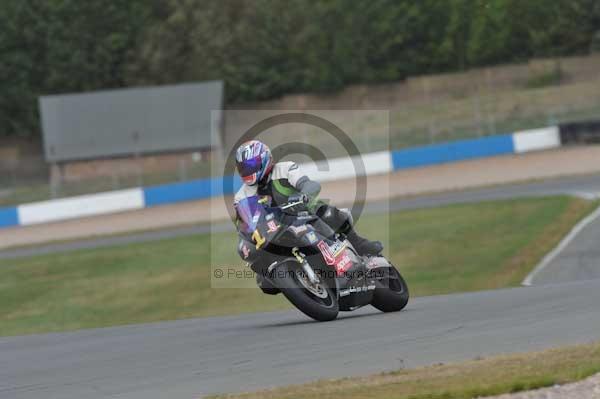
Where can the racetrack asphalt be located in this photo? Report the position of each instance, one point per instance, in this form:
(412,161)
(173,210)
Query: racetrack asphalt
(578,260)
(193,358)
(585,186)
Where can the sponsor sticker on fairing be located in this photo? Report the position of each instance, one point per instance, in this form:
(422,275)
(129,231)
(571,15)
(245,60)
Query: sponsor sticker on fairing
(343,264)
(326,252)
(298,230)
(363,288)
(335,256)
(337,247)
(245,251)
(312,237)
(273,227)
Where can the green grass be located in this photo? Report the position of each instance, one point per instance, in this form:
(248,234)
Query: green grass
(477,378)
(482,246)
(451,249)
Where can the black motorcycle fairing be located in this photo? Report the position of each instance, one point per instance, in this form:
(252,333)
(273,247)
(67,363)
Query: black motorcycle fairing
(288,241)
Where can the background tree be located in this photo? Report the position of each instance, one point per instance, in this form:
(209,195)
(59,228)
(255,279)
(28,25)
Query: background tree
(57,46)
(267,48)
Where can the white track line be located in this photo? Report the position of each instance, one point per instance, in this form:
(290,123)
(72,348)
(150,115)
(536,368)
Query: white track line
(561,246)
(586,195)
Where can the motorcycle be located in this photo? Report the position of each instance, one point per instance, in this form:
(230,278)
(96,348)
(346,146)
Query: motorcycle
(317,270)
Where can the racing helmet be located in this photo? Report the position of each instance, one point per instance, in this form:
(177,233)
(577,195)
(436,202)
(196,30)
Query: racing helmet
(254,161)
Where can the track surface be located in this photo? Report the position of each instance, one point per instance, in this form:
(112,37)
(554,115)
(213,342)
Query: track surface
(191,358)
(579,260)
(587,186)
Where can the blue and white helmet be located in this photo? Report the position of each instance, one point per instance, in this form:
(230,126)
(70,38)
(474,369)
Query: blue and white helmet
(254,161)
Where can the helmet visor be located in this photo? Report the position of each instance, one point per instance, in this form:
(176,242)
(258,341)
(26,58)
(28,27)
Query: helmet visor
(249,166)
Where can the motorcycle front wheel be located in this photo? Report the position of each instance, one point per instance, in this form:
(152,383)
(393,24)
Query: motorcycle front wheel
(317,301)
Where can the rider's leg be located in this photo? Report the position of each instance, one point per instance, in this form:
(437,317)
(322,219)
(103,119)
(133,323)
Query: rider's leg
(341,222)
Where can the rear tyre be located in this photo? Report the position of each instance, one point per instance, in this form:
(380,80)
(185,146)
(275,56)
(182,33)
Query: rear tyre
(391,294)
(316,301)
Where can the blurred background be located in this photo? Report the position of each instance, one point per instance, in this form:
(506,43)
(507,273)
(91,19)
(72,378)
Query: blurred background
(445,70)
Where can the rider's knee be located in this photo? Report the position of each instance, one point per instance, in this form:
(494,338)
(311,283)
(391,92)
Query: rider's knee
(338,219)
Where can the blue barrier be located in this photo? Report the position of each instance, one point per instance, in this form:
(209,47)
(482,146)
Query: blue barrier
(9,217)
(452,151)
(402,159)
(189,191)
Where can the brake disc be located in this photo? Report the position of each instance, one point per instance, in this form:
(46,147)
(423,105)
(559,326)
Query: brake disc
(316,289)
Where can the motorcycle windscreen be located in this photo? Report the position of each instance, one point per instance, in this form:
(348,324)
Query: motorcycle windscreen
(249,211)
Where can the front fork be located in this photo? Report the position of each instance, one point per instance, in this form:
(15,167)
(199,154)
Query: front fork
(299,257)
(310,273)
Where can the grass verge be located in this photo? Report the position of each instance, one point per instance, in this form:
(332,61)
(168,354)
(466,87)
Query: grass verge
(477,378)
(451,249)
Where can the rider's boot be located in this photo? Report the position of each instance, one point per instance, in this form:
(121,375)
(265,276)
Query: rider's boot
(341,222)
(364,246)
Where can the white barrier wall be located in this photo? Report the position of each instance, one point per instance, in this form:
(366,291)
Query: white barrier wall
(333,169)
(76,207)
(343,168)
(536,139)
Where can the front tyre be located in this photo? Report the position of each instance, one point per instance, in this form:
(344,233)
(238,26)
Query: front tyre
(391,294)
(317,301)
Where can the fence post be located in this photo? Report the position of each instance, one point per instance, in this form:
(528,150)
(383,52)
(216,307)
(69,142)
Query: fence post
(491,116)
(430,120)
(115,180)
(477,106)
(55,180)
(182,170)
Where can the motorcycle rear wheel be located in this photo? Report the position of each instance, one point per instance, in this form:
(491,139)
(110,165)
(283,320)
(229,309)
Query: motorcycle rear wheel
(319,303)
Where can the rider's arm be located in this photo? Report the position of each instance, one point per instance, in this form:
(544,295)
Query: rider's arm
(305,185)
(301,182)
(308,187)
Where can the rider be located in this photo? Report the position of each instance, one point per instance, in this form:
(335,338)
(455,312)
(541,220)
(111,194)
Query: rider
(282,180)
